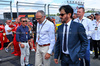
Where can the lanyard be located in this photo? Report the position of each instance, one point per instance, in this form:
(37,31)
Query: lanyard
(97,24)
(40,29)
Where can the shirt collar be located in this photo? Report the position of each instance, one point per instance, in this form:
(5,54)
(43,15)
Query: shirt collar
(82,18)
(7,24)
(97,21)
(43,21)
(68,23)
(22,26)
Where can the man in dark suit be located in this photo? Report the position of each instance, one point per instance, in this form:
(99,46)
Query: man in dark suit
(71,39)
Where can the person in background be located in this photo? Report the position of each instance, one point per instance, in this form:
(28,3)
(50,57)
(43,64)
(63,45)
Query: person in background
(87,25)
(96,35)
(74,16)
(48,18)
(34,28)
(90,17)
(9,35)
(31,35)
(54,22)
(93,17)
(2,28)
(15,43)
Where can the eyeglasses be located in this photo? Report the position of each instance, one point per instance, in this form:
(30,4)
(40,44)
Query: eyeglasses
(62,14)
(24,21)
(39,18)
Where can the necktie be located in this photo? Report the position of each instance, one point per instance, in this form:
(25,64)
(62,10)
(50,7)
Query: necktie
(65,38)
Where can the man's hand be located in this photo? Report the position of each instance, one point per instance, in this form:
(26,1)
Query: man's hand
(47,56)
(29,41)
(22,45)
(79,59)
(56,61)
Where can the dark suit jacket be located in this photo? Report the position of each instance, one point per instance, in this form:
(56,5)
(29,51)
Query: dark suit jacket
(77,41)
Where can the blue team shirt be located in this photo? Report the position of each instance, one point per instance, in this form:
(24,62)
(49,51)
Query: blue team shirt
(22,34)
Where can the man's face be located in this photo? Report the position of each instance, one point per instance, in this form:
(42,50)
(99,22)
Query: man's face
(97,16)
(8,22)
(92,16)
(39,17)
(80,13)
(75,16)
(23,21)
(64,17)
(18,19)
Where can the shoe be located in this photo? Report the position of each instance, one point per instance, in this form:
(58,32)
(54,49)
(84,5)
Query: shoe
(17,54)
(13,52)
(32,49)
(29,65)
(95,57)
(1,48)
(6,50)
(91,52)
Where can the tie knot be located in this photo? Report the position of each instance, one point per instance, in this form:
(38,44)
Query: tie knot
(66,25)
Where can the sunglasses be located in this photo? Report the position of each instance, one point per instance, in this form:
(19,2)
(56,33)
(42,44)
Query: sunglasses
(24,21)
(62,14)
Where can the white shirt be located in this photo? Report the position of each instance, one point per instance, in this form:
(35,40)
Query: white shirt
(95,33)
(68,26)
(87,25)
(7,28)
(47,34)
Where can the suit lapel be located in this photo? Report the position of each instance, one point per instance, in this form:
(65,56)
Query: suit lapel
(61,31)
(70,32)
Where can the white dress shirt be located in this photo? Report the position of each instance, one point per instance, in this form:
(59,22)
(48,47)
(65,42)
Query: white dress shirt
(87,25)
(68,26)
(7,28)
(95,33)
(47,34)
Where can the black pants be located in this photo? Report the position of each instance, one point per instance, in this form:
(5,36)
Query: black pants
(10,37)
(96,45)
(66,61)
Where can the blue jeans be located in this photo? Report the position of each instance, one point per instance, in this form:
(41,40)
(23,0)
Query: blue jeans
(87,56)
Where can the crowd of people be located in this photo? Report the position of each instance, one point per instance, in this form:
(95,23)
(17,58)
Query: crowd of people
(77,37)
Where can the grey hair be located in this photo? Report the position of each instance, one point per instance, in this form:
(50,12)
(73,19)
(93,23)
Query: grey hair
(42,12)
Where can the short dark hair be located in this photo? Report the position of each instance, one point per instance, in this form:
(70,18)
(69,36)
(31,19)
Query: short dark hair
(22,18)
(92,14)
(82,8)
(67,8)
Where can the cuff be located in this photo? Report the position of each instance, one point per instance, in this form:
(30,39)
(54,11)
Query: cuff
(50,51)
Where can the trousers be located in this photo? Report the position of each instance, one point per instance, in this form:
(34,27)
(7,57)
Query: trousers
(24,54)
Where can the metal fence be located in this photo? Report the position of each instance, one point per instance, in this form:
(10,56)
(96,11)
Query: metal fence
(53,11)
(29,7)
(5,6)
(50,9)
